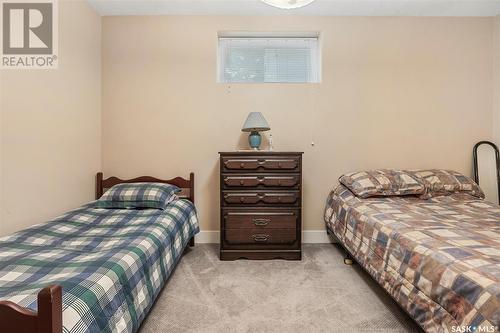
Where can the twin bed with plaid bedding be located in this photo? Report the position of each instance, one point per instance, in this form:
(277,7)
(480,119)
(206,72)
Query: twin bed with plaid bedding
(111,263)
(438,258)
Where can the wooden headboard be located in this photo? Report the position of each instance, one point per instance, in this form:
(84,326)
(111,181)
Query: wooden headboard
(186,185)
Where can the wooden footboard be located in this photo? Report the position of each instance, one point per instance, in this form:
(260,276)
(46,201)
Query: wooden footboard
(48,319)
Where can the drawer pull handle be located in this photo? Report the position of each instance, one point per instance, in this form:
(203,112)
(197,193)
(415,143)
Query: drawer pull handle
(242,165)
(260,221)
(260,238)
(242,199)
(242,182)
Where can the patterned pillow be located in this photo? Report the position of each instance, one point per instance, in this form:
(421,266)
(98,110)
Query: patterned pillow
(138,195)
(383,182)
(445,182)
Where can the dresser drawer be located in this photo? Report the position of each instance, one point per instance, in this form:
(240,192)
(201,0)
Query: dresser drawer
(260,237)
(260,180)
(251,219)
(273,163)
(242,198)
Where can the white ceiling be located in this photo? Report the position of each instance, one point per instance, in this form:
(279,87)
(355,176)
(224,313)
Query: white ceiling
(319,7)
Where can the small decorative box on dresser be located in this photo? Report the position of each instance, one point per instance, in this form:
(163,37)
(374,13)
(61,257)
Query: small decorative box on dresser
(261,205)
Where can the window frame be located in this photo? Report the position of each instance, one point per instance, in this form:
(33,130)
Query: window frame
(315,60)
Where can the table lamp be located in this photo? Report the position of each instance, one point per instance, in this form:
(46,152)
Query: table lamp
(254,124)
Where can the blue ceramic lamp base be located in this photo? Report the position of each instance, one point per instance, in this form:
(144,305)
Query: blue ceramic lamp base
(254,140)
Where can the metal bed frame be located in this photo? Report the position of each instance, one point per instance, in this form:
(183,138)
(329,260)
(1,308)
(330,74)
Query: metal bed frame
(497,156)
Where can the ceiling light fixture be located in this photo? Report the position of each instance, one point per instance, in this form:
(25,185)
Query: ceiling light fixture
(288,4)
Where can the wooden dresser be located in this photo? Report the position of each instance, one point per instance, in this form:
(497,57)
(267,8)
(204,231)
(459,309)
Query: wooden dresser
(261,205)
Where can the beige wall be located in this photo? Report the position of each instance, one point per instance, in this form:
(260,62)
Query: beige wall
(51,134)
(487,174)
(1,155)
(496,78)
(396,92)
(486,156)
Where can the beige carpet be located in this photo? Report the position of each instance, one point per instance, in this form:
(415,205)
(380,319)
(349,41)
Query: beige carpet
(317,294)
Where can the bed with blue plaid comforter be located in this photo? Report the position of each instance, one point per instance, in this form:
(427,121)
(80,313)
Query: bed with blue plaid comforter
(111,263)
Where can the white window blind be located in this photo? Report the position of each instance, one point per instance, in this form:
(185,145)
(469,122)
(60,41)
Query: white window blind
(259,60)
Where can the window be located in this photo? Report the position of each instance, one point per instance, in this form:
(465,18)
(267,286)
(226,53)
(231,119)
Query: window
(268,59)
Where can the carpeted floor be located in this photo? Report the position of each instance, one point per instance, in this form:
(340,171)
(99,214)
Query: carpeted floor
(317,294)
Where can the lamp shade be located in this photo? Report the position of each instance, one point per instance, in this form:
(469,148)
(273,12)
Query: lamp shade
(255,123)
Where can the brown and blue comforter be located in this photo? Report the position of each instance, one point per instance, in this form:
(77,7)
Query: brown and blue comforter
(438,258)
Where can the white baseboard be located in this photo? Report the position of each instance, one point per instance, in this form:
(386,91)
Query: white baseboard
(207,237)
(315,237)
(308,237)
